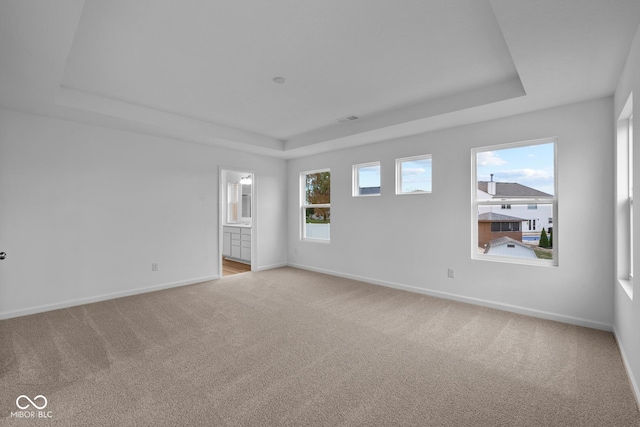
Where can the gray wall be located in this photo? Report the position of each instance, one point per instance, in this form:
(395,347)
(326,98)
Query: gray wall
(85,210)
(410,241)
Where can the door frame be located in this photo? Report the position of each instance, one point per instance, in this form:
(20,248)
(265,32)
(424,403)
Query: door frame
(222,195)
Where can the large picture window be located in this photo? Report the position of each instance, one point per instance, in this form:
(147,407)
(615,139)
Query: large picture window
(521,176)
(316,205)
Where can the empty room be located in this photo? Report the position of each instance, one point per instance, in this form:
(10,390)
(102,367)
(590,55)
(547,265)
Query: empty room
(324,213)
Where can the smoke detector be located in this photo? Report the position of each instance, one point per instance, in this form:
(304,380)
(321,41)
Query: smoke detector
(346,119)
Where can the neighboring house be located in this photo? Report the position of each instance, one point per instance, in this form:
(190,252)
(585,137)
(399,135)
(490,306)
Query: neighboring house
(534,217)
(366,191)
(506,246)
(492,226)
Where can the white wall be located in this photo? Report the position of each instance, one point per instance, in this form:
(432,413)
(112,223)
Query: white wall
(410,241)
(627,311)
(85,211)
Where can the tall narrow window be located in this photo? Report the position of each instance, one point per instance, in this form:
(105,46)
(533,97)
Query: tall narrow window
(523,176)
(316,205)
(366,179)
(630,196)
(624,198)
(413,175)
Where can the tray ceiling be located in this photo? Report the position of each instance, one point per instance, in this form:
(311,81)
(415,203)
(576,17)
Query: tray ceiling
(204,71)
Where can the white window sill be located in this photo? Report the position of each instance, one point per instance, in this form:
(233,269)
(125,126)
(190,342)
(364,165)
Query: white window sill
(326,242)
(628,287)
(515,260)
(413,193)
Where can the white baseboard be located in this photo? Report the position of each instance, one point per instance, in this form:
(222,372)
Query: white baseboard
(627,366)
(476,301)
(103,297)
(271,267)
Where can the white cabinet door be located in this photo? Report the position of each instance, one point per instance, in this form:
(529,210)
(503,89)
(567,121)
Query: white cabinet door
(245,252)
(235,251)
(226,244)
(245,244)
(235,244)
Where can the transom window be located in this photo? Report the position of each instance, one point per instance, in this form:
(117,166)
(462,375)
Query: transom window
(413,175)
(366,179)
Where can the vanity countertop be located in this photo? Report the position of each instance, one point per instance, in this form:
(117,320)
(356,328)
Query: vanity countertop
(237,225)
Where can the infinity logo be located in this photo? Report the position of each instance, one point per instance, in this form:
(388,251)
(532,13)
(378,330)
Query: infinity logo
(22,397)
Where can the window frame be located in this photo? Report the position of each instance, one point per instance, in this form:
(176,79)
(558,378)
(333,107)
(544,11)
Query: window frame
(304,206)
(630,193)
(356,179)
(399,162)
(624,224)
(476,203)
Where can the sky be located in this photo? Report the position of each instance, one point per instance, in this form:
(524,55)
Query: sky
(369,176)
(531,165)
(416,175)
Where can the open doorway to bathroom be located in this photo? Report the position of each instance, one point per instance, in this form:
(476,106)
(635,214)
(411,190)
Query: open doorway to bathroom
(237,216)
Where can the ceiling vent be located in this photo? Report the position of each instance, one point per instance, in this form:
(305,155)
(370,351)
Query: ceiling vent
(346,119)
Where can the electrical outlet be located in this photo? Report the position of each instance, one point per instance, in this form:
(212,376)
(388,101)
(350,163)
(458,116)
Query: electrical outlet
(154,266)
(451,273)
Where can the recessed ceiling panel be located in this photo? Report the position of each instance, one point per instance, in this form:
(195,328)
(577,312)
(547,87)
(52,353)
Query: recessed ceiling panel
(216,61)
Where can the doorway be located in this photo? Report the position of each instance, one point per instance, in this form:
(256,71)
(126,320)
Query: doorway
(237,219)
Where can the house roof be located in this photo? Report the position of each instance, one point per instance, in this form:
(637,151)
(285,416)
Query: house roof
(369,190)
(512,189)
(496,217)
(503,241)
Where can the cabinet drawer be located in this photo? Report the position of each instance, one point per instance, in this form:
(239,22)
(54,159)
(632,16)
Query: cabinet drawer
(246,231)
(232,230)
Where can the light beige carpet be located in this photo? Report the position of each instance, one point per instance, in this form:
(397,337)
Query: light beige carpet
(288,347)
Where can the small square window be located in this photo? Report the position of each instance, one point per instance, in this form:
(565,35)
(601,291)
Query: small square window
(413,175)
(366,179)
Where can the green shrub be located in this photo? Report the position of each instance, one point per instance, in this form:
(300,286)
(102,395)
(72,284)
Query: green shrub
(544,240)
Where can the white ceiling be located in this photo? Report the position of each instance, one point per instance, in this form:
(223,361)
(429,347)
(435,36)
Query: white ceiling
(203,71)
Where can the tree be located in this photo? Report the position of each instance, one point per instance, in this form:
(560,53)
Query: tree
(318,188)
(550,237)
(318,192)
(544,240)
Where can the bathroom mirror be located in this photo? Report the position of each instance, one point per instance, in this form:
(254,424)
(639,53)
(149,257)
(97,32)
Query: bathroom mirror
(239,194)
